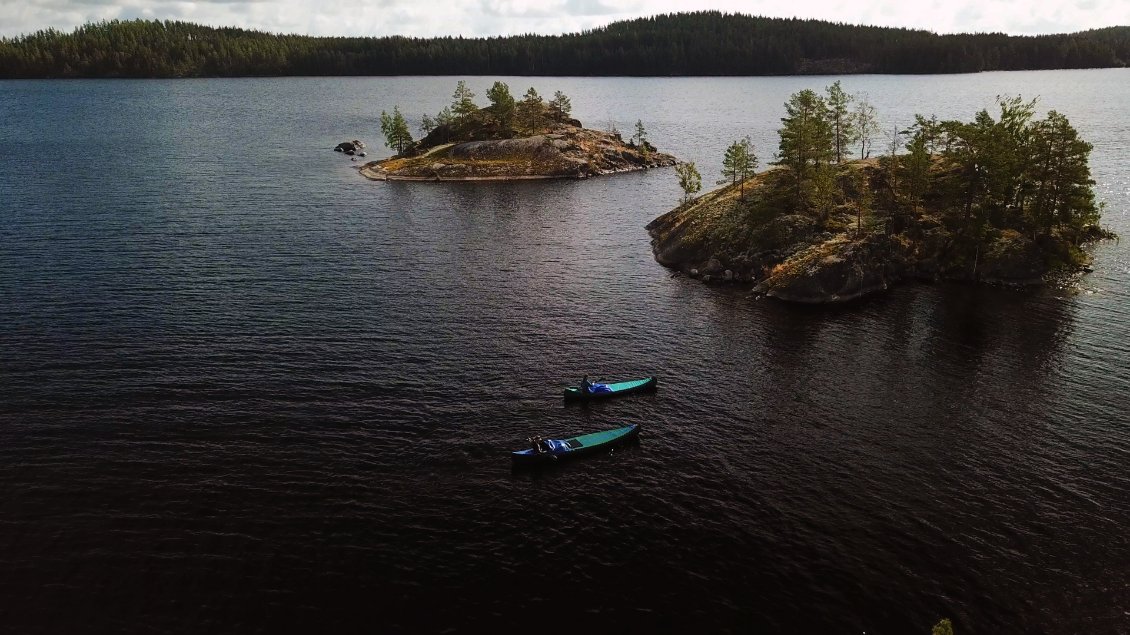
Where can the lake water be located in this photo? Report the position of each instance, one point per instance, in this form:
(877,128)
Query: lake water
(243,389)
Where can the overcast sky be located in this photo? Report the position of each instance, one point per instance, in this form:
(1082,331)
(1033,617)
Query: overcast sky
(507,17)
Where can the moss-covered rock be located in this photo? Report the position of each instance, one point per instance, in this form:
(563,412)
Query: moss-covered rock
(720,231)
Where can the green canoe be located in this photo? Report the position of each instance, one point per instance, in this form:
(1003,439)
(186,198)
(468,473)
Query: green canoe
(549,450)
(604,391)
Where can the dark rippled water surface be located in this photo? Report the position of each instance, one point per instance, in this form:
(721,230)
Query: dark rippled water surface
(243,389)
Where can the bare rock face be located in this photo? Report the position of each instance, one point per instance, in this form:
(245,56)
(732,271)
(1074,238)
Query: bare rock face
(683,239)
(836,271)
(536,146)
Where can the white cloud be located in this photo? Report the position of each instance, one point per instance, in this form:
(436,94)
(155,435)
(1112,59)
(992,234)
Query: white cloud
(471,18)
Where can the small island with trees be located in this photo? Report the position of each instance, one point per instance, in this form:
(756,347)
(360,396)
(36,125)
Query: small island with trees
(1007,199)
(508,140)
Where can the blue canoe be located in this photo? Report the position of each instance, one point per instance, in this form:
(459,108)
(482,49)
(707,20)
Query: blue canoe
(550,450)
(603,391)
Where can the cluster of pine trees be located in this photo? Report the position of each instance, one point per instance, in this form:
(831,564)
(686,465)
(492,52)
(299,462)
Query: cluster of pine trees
(818,132)
(1010,173)
(1013,172)
(463,120)
(701,43)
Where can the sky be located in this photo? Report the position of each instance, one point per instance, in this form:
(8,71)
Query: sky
(474,18)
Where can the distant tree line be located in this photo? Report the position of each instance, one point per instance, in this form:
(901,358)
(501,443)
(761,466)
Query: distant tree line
(701,43)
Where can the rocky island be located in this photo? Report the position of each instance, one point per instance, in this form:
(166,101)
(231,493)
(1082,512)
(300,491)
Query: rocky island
(508,140)
(1006,200)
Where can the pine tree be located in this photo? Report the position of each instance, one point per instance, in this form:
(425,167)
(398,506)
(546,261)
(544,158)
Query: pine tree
(560,106)
(825,189)
(689,179)
(990,158)
(1063,192)
(395,130)
(502,104)
(806,139)
(463,101)
(1014,134)
(840,119)
(640,138)
(739,163)
(917,169)
(530,111)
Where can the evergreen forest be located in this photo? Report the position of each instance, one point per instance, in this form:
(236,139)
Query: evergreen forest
(686,44)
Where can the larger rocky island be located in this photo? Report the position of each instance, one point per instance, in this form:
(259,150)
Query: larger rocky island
(1006,200)
(508,140)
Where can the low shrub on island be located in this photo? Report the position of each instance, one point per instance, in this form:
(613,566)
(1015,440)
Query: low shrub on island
(1006,199)
(508,139)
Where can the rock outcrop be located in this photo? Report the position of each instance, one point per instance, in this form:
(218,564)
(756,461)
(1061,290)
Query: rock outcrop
(351,147)
(566,151)
(839,256)
(837,270)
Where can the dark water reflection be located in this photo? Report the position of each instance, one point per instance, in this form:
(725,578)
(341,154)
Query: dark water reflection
(242,389)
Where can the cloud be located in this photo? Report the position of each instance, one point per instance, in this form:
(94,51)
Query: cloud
(526,9)
(471,18)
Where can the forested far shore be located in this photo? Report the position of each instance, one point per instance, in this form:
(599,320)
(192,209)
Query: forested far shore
(707,43)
